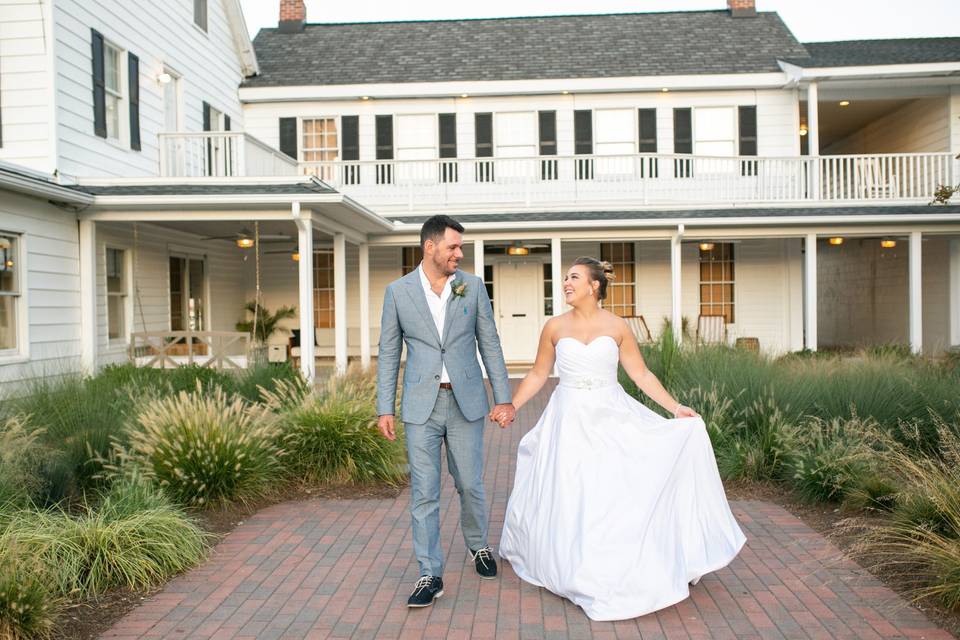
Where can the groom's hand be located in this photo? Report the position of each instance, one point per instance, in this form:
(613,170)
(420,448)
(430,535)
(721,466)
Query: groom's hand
(386,426)
(503,414)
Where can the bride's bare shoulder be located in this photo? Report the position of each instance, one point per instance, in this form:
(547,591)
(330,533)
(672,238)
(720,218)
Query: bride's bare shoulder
(553,327)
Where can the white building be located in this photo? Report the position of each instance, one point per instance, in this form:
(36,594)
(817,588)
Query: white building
(712,170)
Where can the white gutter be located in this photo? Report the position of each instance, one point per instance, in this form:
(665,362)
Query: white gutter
(797,74)
(36,185)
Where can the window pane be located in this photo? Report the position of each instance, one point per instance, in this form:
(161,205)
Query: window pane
(112,69)
(8,322)
(115,317)
(114,271)
(8,264)
(113,116)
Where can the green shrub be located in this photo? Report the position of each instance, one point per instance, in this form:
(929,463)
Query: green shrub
(23,462)
(205,447)
(873,490)
(763,444)
(253,382)
(331,433)
(27,608)
(830,456)
(135,539)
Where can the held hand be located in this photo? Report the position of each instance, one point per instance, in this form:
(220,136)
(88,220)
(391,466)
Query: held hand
(684,412)
(503,414)
(386,425)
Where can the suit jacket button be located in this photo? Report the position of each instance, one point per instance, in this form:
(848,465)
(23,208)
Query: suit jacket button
(436,377)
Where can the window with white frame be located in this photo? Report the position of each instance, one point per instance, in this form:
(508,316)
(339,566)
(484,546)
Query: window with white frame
(116,294)
(717,280)
(320,140)
(9,291)
(323,300)
(715,132)
(113,88)
(620,291)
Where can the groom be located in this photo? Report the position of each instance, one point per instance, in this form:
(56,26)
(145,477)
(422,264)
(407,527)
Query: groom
(443,315)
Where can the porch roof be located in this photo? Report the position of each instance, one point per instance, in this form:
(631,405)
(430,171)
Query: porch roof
(731,216)
(868,53)
(206,188)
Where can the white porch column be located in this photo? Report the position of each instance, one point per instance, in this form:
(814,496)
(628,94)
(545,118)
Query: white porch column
(340,301)
(810,292)
(676,320)
(915,292)
(308,365)
(365,305)
(88,296)
(478,258)
(813,138)
(556,273)
(954,295)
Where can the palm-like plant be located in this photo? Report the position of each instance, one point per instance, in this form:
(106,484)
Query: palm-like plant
(266,322)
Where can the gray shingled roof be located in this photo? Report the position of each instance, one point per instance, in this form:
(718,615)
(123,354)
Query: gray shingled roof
(736,212)
(583,46)
(852,53)
(205,189)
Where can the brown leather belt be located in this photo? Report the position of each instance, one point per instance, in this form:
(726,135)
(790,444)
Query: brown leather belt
(446,385)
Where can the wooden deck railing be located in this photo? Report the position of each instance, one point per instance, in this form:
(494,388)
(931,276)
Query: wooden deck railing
(170,349)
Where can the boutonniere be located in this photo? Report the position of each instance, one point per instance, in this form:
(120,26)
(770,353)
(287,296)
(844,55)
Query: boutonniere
(458,288)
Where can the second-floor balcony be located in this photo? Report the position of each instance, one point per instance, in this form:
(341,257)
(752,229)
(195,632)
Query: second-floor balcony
(221,154)
(638,179)
(578,180)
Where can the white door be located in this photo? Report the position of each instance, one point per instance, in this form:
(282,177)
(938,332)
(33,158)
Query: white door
(518,290)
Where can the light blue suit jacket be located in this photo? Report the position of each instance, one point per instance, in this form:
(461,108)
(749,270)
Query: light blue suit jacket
(468,324)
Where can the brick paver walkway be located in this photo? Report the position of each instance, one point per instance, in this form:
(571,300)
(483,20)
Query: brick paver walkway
(340,569)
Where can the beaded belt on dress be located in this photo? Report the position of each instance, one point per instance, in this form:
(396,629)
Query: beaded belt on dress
(586,382)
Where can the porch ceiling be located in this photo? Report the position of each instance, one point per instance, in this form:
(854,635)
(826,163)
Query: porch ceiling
(836,122)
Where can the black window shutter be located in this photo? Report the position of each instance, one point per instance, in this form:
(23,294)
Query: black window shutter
(226,122)
(548,132)
(206,117)
(99,86)
(133,79)
(648,131)
(384,135)
(288,136)
(748,131)
(583,131)
(483,124)
(350,137)
(682,131)
(448,135)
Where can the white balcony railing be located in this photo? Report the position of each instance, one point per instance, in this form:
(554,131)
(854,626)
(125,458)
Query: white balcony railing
(221,154)
(639,179)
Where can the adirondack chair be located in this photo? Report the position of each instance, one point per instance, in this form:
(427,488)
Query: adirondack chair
(711,329)
(639,327)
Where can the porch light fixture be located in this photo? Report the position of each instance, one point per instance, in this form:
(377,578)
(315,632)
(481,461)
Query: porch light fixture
(8,264)
(517,250)
(844,103)
(803,129)
(836,241)
(706,246)
(164,78)
(566,93)
(464,95)
(888,243)
(364,97)
(664,90)
(295,256)
(244,242)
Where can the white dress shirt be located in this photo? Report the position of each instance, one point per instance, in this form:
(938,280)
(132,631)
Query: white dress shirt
(438,309)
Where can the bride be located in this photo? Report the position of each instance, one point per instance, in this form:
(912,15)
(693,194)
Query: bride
(613,506)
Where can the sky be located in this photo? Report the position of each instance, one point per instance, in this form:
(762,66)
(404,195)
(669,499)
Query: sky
(810,20)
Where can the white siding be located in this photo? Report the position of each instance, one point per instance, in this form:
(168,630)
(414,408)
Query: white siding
(223,265)
(159,34)
(777,117)
(26,84)
(862,293)
(50,287)
(920,125)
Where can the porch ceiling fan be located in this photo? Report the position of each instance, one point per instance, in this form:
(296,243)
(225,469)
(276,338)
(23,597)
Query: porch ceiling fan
(245,238)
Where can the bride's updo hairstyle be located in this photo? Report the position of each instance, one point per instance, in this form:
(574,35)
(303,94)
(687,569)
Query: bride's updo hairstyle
(601,271)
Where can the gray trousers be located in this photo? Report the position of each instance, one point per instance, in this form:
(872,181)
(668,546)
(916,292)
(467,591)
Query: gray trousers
(464,443)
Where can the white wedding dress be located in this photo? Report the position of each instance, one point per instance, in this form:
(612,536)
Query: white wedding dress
(614,506)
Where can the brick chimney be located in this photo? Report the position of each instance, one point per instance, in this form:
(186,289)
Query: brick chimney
(293,15)
(742,8)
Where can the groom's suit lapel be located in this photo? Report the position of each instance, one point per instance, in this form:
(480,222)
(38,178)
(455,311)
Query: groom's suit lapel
(453,308)
(415,290)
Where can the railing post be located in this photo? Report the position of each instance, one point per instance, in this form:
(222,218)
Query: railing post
(163,140)
(240,154)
